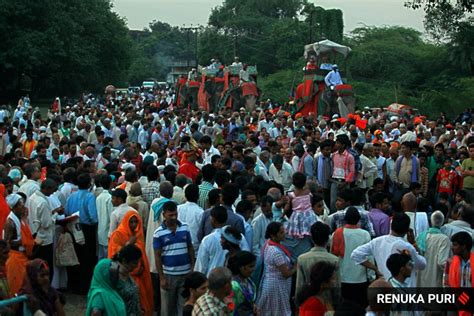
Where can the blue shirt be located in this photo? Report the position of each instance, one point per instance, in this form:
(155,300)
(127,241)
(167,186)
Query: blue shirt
(83,202)
(174,248)
(333,78)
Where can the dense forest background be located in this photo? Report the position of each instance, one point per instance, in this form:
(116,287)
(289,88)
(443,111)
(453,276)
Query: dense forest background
(55,47)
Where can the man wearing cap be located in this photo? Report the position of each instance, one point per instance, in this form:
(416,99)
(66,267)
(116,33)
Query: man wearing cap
(333,78)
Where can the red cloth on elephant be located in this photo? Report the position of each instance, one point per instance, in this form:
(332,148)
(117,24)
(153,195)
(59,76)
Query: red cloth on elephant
(202,95)
(194,83)
(308,87)
(249,88)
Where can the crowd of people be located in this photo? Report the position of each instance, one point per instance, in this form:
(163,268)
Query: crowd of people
(146,207)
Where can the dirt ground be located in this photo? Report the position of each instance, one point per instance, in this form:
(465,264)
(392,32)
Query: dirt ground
(75,304)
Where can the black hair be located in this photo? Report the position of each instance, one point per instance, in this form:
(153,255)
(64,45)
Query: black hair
(240,259)
(152,173)
(326,143)
(352,216)
(316,199)
(128,253)
(377,181)
(193,281)
(84,181)
(191,192)
(272,229)
(170,206)
(462,239)
(208,173)
(230,193)
(219,213)
(414,186)
(321,272)
(214,196)
(266,200)
(396,262)
(400,223)
(346,195)
(320,233)
(243,207)
(105,181)
(299,180)
(377,198)
(221,178)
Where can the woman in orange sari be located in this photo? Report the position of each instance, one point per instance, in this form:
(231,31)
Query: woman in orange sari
(130,231)
(17,234)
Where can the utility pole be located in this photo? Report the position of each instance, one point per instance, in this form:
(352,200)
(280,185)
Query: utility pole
(235,43)
(188,30)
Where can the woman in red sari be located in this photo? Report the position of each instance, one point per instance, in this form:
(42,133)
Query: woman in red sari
(313,302)
(130,231)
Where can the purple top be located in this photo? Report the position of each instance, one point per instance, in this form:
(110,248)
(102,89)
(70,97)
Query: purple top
(380,221)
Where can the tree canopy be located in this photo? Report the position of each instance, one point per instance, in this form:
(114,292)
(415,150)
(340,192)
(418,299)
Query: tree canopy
(63,46)
(66,47)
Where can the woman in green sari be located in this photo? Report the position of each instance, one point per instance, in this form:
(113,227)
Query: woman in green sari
(113,292)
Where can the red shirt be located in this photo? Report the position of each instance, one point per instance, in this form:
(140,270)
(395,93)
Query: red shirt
(189,170)
(313,307)
(447,180)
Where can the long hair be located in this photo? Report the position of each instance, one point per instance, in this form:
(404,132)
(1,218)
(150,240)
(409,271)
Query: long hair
(321,272)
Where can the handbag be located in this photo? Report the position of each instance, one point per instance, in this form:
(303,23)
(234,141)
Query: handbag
(75,229)
(65,253)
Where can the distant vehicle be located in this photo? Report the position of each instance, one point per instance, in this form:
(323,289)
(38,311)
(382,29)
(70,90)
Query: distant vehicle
(163,85)
(134,89)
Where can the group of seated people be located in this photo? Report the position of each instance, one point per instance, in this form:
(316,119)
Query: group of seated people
(333,78)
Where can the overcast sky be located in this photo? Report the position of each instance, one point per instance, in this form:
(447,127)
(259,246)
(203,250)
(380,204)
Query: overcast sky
(139,13)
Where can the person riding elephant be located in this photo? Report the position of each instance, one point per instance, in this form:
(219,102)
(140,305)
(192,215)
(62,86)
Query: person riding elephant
(333,78)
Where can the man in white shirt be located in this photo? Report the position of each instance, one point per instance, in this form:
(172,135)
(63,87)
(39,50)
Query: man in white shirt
(190,212)
(245,210)
(119,201)
(281,172)
(418,220)
(260,223)
(211,254)
(33,173)
(42,218)
(208,149)
(382,247)
(410,135)
(104,211)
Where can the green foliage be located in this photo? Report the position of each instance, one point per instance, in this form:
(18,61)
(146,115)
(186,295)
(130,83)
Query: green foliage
(278,86)
(395,65)
(64,46)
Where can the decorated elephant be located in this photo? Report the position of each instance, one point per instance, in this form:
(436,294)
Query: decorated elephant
(341,101)
(245,95)
(188,93)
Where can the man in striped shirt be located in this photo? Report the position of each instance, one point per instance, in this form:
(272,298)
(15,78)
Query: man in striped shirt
(174,258)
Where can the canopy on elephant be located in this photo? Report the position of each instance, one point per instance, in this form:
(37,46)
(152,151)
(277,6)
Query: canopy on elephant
(326,46)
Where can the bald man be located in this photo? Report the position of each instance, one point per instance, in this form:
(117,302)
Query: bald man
(418,220)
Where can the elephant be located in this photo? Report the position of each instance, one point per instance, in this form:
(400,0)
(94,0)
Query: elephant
(249,100)
(188,95)
(333,106)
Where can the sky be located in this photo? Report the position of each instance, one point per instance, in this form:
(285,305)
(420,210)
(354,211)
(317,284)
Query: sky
(139,13)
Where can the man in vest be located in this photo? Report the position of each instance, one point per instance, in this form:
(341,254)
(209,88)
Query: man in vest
(458,272)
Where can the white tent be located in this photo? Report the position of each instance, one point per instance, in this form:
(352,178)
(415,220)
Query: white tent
(326,46)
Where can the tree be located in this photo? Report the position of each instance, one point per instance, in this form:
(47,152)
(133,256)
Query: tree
(61,45)
(442,17)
